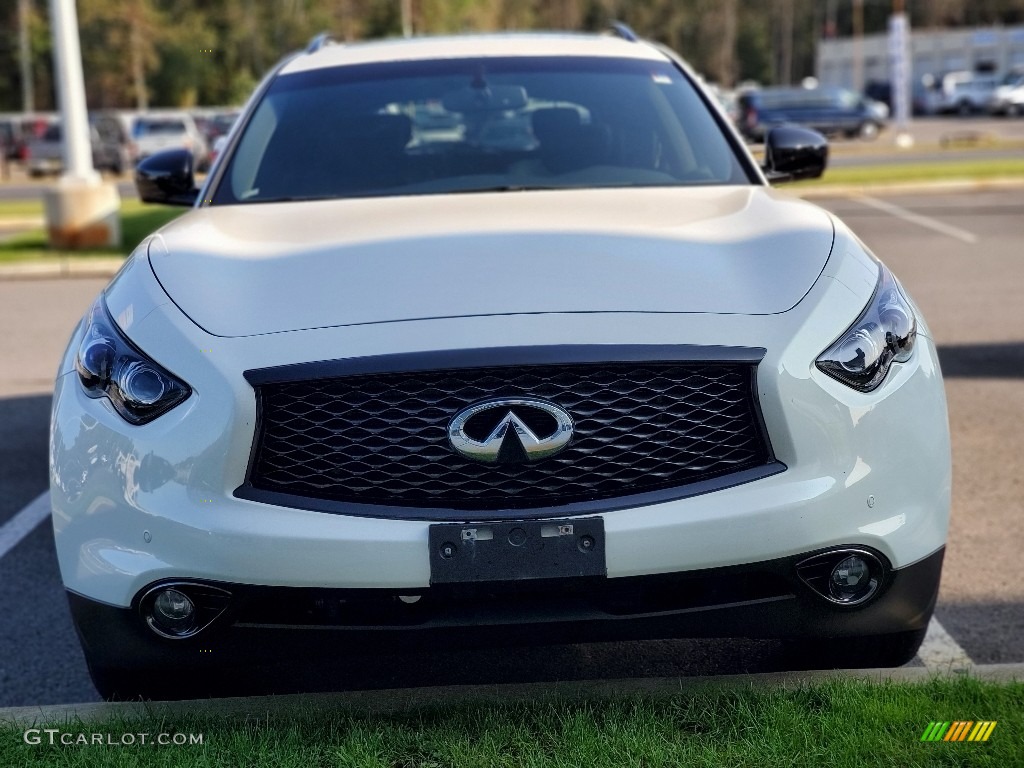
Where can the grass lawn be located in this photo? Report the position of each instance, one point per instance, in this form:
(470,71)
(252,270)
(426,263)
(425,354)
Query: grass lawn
(137,220)
(842,723)
(968,170)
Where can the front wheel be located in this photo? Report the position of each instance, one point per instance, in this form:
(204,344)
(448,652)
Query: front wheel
(869,652)
(868,131)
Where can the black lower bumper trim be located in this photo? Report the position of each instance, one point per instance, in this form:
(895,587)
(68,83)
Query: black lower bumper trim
(275,625)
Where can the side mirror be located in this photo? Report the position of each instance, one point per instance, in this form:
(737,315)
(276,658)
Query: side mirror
(792,152)
(167,177)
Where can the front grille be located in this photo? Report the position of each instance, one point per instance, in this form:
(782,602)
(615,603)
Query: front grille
(381,439)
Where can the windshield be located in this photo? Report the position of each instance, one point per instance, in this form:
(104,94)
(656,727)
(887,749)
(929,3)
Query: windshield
(145,127)
(477,124)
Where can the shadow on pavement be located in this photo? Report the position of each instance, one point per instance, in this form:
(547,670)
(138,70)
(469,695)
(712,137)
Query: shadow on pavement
(983,361)
(24,440)
(989,631)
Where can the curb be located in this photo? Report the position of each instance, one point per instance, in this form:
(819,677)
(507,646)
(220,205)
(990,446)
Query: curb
(62,267)
(394,701)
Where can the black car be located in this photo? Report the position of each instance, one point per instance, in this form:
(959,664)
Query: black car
(832,111)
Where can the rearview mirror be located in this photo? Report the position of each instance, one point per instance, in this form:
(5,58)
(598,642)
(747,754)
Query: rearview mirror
(792,152)
(490,98)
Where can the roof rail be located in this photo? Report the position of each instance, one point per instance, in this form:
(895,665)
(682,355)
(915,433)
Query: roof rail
(620,29)
(319,42)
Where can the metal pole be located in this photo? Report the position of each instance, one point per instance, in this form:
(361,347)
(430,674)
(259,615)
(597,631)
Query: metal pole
(900,56)
(858,46)
(28,94)
(71,92)
(406,18)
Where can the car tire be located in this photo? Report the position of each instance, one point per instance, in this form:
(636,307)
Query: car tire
(868,131)
(868,652)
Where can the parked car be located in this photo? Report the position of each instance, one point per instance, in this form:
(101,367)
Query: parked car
(966,93)
(924,99)
(157,132)
(833,111)
(388,387)
(11,139)
(16,130)
(1008,97)
(215,124)
(110,151)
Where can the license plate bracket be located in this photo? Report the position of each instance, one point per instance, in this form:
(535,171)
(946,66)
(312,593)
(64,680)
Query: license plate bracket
(516,550)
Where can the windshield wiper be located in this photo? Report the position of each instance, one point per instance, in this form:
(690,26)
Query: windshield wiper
(504,188)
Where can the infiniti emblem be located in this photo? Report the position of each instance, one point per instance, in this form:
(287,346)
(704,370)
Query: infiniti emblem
(510,430)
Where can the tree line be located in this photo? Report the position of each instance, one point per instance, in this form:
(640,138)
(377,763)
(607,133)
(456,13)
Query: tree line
(184,53)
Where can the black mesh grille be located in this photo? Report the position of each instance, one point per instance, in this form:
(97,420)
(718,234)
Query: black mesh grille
(382,438)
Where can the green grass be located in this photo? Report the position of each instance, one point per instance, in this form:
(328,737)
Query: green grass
(21,208)
(970,170)
(137,221)
(842,723)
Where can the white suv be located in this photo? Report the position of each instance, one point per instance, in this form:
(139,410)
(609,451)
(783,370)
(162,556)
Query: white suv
(1008,97)
(553,363)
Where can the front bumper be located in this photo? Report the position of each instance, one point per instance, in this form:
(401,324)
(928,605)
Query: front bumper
(284,631)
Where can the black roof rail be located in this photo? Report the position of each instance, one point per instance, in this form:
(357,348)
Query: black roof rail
(319,42)
(623,30)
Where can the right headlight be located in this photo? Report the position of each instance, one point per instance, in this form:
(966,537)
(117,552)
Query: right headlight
(110,366)
(884,334)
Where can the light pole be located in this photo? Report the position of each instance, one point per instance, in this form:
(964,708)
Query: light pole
(900,68)
(81,211)
(28,97)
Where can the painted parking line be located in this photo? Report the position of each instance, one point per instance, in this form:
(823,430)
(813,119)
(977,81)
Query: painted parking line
(23,523)
(940,651)
(915,218)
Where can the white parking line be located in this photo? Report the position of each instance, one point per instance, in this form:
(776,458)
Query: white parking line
(939,651)
(915,218)
(23,523)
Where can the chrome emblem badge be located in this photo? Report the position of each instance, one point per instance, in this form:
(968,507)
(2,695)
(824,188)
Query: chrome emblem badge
(510,430)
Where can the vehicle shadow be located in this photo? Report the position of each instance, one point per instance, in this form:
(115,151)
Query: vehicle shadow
(983,361)
(24,439)
(989,631)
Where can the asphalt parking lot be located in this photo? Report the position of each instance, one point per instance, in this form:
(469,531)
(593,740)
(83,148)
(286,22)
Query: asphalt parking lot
(958,254)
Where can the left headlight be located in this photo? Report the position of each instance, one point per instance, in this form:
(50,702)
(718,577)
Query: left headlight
(884,334)
(110,366)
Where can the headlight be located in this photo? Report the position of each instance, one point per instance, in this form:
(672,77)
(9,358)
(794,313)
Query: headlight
(110,366)
(883,334)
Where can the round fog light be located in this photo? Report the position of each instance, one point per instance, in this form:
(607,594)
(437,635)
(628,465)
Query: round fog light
(174,612)
(851,580)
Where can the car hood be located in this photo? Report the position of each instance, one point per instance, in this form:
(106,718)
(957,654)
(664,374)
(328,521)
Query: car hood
(262,268)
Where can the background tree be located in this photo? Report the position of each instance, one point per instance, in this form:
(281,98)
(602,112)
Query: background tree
(180,53)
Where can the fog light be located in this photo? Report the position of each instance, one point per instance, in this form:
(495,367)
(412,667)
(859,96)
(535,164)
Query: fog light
(851,580)
(182,609)
(173,612)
